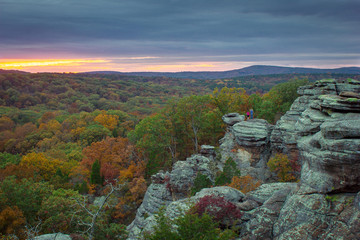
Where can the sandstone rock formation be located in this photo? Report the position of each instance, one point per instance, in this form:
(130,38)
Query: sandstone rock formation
(53,236)
(168,187)
(322,130)
(248,144)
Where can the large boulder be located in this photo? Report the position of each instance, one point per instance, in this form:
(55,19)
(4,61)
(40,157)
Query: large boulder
(248,144)
(232,118)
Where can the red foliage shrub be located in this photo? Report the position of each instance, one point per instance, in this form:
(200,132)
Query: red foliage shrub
(219,208)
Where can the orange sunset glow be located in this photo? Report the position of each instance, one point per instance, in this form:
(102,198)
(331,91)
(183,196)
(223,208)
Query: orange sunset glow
(125,64)
(38,65)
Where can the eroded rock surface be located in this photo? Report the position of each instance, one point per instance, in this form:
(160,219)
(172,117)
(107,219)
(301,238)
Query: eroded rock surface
(322,130)
(248,144)
(170,187)
(53,236)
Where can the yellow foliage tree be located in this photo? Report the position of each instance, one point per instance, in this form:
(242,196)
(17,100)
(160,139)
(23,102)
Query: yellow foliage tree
(44,166)
(245,183)
(230,100)
(108,121)
(281,166)
(52,126)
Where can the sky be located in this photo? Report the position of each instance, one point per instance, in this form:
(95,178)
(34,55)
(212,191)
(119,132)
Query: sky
(177,35)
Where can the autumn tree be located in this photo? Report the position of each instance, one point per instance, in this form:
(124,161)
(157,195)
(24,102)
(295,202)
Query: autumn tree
(94,133)
(106,120)
(113,154)
(229,100)
(244,183)
(57,211)
(45,167)
(6,123)
(191,113)
(94,226)
(281,166)
(26,194)
(12,221)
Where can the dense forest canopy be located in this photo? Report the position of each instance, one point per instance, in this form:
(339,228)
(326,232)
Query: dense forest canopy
(65,136)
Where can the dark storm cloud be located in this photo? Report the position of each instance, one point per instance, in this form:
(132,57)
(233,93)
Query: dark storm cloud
(168,27)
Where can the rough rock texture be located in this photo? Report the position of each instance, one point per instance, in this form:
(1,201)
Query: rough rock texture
(330,149)
(322,129)
(184,173)
(53,236)
(176,208)
(169,187)
(248,144)
(232,118)
(318,216)
(269,199)
(157,195)
(283,137)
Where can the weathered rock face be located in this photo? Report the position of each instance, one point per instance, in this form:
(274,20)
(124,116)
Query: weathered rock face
(318,216)
(322,128)
(232,118)
(248,144)
(283,137)
(179,207)
(269,198)
(330,148)
(156,196)
(328,139)
(169,187)
(184,173)
(53,236)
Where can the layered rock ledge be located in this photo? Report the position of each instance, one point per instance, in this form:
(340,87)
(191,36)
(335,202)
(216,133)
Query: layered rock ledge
(321,130)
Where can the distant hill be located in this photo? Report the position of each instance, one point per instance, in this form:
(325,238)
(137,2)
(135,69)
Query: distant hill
(247,71)
(2,71)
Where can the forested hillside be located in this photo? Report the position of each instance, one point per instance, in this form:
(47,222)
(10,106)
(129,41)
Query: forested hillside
(66,136)
(255,70)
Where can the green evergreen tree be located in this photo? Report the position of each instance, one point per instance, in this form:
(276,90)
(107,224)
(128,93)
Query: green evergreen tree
(83,188)
(230,170)
(201,181)
(95,177)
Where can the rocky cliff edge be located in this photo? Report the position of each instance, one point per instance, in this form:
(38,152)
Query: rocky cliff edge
(321,130)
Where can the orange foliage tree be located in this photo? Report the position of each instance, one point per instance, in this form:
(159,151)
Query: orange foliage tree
(12,220)
(114,155)
(117,161)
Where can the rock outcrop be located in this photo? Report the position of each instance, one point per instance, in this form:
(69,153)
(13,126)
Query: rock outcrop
(322,130)
(330,149)
(167,188)
(53,236)
(248,144)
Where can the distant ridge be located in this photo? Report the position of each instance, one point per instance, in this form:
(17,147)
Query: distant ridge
(12,71)
(251,70)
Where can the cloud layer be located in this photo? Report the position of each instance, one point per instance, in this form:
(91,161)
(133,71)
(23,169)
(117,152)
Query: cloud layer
(255,31)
